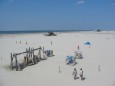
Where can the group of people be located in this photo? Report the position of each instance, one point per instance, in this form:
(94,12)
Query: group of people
(75,74)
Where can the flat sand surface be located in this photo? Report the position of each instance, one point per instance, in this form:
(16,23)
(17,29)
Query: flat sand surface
(46,73)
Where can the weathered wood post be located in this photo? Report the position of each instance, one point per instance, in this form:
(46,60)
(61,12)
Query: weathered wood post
(32,56)
(43,49)
(39,54)
(51,53)
(33,52)
(59,69)
(11,64)
(99,68)
(16,61)
(28,57)
(26,52)
(37,57)
(43,53)
(29,52)
(17,65)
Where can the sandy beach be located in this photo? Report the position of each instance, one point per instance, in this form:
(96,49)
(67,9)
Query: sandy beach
(97,63)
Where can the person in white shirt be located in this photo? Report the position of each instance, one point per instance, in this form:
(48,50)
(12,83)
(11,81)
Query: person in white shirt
(81,74)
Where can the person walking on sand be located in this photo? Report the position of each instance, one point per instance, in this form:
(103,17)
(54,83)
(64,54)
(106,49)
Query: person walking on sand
(75,73)
(81,74)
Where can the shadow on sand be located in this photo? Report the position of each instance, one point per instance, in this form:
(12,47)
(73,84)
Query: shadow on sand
(76,78)
(83,78)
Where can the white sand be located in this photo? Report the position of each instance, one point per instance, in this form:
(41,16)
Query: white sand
(46,73)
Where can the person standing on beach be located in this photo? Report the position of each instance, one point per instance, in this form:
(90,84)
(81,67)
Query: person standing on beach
(51,42)
(26,42)
(81,74)
(20,42)
(75,73)
(78,47)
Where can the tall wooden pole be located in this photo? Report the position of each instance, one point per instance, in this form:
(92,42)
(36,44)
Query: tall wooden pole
(16,62)
(11,65)
(29,52)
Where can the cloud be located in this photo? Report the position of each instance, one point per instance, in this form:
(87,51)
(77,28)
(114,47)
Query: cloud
(80,2)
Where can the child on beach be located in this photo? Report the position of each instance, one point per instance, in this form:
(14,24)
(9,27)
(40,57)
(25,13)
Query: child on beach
(75,73)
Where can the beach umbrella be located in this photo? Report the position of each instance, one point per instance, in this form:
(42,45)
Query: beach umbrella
(87,43)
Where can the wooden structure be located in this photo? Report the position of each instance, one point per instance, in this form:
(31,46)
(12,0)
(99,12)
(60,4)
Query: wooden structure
(98,30)
(50,34)
(29,59)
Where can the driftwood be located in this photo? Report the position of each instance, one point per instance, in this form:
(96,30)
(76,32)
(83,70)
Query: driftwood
(29,59)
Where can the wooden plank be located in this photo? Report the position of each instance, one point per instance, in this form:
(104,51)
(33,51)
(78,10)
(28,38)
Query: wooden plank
(27,51)
(11,65)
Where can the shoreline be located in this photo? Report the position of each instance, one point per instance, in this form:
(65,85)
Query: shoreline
(39,33)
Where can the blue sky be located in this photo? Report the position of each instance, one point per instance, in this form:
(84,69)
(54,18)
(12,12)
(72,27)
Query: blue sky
(57,14)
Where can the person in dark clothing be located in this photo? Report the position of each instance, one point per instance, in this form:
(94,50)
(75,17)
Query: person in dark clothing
(78,47)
